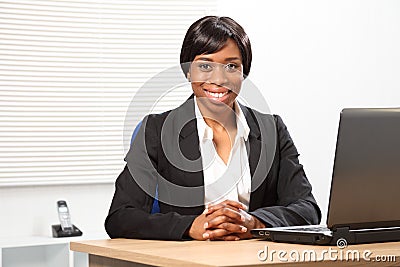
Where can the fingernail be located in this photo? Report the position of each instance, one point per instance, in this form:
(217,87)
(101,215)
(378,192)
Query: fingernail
(205,225)
(206,235)
(237,238)
(244,229)
(205,211)
(242,218)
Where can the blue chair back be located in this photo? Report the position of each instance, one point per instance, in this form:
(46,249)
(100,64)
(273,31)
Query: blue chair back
(156,206)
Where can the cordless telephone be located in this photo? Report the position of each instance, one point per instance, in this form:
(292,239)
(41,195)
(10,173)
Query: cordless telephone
(63,215)
(65,228)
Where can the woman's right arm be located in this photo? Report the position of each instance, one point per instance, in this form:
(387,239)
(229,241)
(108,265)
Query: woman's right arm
(130,217)
(130,212)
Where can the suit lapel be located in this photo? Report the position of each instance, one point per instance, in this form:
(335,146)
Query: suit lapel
(261,150)
(190,150)
(254,143)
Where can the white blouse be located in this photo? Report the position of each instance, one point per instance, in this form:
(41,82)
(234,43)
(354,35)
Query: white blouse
(237,185)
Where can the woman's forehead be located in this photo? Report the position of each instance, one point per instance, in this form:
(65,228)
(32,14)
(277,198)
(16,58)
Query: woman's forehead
(229,52)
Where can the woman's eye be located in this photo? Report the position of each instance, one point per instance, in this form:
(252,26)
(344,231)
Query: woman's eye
(205,67)
(231,67)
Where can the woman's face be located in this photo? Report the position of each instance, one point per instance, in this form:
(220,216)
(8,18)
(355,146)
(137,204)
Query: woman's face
(217,78)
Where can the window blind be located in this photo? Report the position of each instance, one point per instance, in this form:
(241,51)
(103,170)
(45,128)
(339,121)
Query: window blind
(68,72)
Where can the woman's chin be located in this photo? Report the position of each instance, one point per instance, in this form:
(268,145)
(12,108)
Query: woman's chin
(217,105)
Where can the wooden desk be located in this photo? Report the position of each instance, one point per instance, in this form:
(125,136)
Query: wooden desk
(132,252)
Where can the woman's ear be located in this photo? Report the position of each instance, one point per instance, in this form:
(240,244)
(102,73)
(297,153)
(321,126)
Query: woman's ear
(188,76)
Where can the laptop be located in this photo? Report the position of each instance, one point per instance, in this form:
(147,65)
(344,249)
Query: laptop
(365,190)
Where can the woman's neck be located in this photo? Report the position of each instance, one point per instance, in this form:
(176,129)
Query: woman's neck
(222,119)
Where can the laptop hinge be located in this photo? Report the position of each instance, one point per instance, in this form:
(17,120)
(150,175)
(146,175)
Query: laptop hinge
(343,234)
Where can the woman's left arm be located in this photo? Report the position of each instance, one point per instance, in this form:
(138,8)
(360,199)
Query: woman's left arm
(295,203)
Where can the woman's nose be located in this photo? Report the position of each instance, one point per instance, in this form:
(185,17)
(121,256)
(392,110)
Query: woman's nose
(218,76)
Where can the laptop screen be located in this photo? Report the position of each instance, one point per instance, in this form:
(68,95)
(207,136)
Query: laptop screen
(366,175)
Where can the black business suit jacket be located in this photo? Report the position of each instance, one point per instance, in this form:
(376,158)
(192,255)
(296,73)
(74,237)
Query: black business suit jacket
(165,155)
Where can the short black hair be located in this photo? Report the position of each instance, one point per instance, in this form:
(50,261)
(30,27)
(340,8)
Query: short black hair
(208,35)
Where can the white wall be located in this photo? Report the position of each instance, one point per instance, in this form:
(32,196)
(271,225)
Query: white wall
(313,58)
(27,211)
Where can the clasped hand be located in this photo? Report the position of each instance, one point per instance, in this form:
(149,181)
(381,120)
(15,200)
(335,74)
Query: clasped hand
(227,220)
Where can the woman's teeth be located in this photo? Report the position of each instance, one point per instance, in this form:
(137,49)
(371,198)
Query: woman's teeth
(216,95)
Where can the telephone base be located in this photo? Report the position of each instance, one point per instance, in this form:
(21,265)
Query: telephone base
(58,232)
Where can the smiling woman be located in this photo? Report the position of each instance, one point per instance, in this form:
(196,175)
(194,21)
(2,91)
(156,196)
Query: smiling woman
(218,76)
(207,159)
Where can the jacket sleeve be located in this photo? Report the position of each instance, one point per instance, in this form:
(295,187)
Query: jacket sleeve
(130,212)
(295,203)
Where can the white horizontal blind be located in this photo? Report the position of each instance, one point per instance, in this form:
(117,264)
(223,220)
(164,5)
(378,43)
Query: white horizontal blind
(68,71)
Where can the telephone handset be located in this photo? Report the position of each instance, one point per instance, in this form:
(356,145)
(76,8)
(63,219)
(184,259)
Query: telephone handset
(65,228)
(63,215)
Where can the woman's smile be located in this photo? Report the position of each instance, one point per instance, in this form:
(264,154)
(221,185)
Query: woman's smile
(217,94)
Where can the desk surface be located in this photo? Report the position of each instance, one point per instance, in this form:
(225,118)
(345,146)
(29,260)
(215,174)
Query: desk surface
(238,253)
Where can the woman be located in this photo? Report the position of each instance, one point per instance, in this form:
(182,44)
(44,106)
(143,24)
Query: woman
(209,161)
